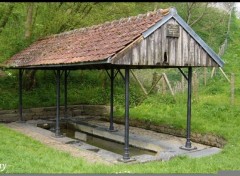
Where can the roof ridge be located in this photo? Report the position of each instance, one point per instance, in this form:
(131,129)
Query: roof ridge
(109,23)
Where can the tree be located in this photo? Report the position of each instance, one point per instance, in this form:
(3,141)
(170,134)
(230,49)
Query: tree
(29,81)
(202,13)
(29,20)
(5,16)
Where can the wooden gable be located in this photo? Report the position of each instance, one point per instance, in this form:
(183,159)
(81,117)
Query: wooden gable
(169,45)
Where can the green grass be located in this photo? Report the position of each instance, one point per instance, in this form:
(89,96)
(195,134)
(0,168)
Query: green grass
(25,155)
(211,113)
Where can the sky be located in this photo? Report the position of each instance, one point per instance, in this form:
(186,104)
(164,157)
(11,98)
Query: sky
(238,8)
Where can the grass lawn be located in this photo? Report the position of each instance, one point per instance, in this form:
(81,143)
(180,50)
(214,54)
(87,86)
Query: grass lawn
(211,113)
(25,155)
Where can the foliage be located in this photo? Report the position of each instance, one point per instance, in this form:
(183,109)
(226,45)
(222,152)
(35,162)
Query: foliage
(211,108)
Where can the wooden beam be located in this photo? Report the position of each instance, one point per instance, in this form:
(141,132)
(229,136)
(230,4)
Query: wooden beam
(169,85)
(154,85)
(143,89)
(224,74)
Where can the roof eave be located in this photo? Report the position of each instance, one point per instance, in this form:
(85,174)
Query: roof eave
(57,66)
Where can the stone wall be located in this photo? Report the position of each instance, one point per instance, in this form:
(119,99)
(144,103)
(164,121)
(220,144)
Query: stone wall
(50,112)
(207,139)
(103,112)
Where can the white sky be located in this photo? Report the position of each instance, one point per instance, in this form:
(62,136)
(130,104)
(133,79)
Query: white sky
(238,8)
(237,5)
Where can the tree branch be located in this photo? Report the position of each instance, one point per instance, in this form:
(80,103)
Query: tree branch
(189,7)
(200,17)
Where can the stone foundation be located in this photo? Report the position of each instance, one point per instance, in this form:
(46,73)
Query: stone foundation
(206,139)
(50,112)
(103,111)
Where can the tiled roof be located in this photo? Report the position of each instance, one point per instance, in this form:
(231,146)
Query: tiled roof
(90,44)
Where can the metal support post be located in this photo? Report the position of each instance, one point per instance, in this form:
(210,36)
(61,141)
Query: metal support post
(65,93)
(57,132)
(188,145)
(126,138)
(111,128)
(20,75)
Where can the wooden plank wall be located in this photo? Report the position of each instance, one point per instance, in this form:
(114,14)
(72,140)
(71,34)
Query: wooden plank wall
(158,49)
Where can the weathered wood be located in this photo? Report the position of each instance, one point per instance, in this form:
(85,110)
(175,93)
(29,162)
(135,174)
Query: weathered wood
(204,58)
(209,63)
(163,86)
(224,74)
(165,60)
(185,43)
(191,51)
(156,48)
(126,59)
(143,52)
(162,50)
(154,84)
(171,51)
(169,85)
(117,58)
(172,47)
(150,50)
(179,56)
(197,55)
(213,71)
(135,55)
(160,60)
(200,55)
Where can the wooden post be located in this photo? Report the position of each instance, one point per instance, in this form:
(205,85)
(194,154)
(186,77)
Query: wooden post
(213,71)
(155,84)
(168,83)
(143,89)
(232,88)
(224,74)
(183,84)
(163,87)
(205,75)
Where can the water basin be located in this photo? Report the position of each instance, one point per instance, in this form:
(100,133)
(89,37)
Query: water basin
(100,142)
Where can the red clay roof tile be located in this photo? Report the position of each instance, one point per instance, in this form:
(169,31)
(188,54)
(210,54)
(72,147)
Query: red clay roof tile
(94,43)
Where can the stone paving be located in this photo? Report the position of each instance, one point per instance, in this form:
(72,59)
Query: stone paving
(166,146)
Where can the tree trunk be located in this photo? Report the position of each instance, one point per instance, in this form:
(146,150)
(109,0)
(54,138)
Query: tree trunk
(29,76)
(29,80)
(29,21)
(5,16)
